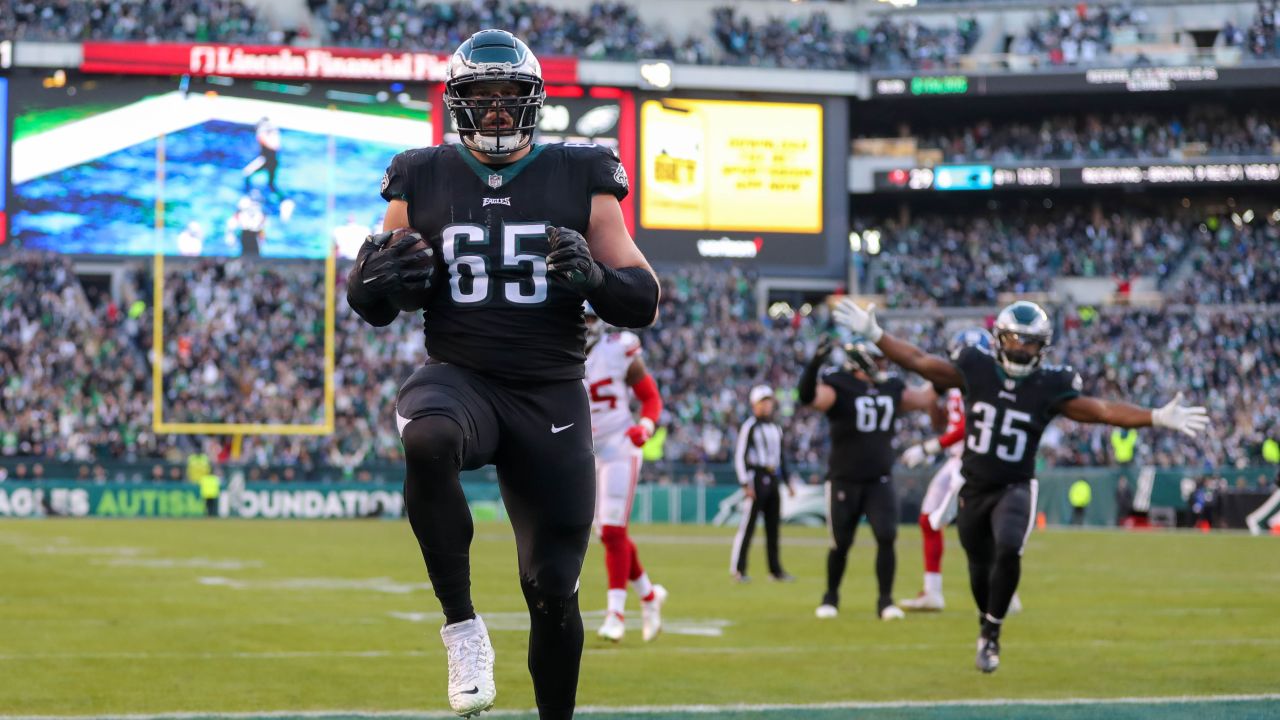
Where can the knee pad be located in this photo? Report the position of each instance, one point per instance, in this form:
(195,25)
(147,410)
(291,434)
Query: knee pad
(433,440)
(557,607)
(613,537)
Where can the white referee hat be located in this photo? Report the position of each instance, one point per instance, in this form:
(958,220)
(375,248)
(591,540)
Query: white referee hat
(760,392)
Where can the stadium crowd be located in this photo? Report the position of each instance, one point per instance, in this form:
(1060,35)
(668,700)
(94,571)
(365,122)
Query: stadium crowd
(934,259)
(814,43)
(1212,132)
(603,30)
(1078,34)
(169,21)
(1260,38)
(250,350)
(1065,35)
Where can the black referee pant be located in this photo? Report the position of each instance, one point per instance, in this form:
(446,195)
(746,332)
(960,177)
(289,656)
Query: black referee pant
(768,501)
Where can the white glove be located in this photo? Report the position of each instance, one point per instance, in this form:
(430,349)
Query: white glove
(917,454)
(1186,419)
(913,456)
(849,315)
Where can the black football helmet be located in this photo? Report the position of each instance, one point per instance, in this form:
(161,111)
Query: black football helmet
(494,56)
(864,356)
(1028,324)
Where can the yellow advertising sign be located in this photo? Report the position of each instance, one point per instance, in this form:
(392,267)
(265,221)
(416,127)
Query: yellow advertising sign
(731,166)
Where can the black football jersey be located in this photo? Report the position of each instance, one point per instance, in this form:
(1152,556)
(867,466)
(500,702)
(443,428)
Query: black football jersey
(495,310)
(863,419)
(1005,416)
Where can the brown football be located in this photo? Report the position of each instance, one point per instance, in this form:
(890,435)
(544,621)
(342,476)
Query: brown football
(412,299)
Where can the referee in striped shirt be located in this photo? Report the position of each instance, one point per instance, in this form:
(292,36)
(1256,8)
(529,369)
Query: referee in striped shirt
(761,468)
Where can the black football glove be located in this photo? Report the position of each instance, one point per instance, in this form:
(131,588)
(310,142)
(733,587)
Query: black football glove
(570,261)
(384,268)
(825,345)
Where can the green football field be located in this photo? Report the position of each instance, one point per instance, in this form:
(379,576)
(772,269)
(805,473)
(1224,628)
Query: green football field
(335,619)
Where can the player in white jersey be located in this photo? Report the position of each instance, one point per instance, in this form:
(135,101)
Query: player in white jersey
(614,365)
(939,506)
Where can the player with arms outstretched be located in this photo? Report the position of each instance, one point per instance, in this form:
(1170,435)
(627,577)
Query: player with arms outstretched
(1010,397)
(527,232)
(614,364)
(939,506)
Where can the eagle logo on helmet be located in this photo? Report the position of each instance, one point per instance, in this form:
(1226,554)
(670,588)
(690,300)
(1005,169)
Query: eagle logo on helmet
(1023,332)
(863,356)
(494,56)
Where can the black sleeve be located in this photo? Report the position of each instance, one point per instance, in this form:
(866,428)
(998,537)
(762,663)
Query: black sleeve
(396,183)
(964,359)
(606,175)
(784,467)
(897,386)
(832,378)
(808,388)
(627,298)
(1067,384)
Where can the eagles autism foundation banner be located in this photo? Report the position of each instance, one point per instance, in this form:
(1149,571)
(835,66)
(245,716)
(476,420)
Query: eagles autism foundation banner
(71,499)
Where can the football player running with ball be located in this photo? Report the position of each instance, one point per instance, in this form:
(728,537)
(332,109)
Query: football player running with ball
(1010,397)
(526,233)
(614,365)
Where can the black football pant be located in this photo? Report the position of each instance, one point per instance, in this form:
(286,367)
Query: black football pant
(539,438)
(994,524)
(768,502)
(847,503)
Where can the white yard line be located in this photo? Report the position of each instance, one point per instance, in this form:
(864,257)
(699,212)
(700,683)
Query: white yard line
(688,709)
(597,649)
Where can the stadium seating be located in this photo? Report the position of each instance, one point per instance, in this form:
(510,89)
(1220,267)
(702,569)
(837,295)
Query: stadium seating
(711,345)
(1204,131)
(933,259)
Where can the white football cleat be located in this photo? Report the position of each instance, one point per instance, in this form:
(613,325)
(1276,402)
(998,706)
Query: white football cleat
(988,657)
(826,612)
(471,688)
(924,602)
(613,627)
(651,614)
(892,612)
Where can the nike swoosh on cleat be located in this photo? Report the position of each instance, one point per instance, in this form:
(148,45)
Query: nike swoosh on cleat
(475,690)
(369,280)
(555,429)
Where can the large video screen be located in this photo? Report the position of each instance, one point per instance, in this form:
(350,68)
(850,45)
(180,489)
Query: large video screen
(204,166)
(731,166)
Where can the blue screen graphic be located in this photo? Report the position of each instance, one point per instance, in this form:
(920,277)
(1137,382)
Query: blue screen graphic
(962,177)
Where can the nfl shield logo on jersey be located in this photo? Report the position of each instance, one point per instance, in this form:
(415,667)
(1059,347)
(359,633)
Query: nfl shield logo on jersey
(495,181)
